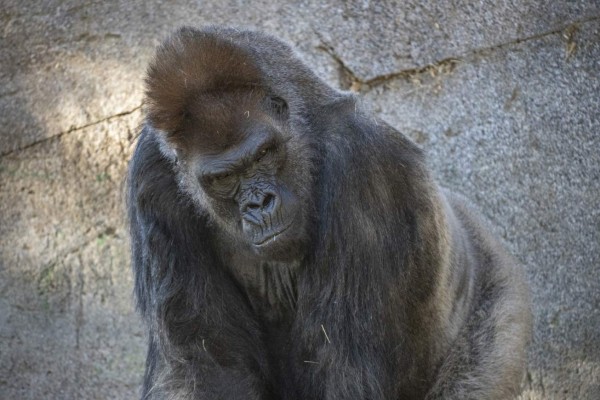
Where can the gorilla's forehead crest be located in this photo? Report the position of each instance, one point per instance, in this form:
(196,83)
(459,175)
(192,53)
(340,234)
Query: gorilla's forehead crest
(221,64)
(189,67)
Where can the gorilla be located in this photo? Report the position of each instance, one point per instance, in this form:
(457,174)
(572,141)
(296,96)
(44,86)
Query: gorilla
(288,245)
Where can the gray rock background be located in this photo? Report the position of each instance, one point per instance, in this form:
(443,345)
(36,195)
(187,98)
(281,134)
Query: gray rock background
(504,97)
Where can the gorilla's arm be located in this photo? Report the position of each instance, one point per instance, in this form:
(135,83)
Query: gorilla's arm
(486,359)
(203,341)
(371,281)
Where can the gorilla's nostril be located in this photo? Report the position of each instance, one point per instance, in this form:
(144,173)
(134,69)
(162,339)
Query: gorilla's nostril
(265,203)
(268,201)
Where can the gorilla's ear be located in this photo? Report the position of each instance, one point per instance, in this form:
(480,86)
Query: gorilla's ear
(277,105)
(191,63)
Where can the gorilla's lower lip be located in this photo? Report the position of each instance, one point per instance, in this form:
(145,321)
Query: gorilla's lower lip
(272,237)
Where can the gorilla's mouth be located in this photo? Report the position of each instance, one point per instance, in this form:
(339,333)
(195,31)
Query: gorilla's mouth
(272,237)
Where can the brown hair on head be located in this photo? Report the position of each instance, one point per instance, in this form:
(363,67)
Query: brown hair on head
(215,121)
(189,66)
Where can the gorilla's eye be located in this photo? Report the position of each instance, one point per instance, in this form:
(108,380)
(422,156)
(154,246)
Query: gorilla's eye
(223,184)
(261,154)
(221,177)
(264,152)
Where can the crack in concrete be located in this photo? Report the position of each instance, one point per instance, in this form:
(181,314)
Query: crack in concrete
(70,130)
(351,80)
(566,29)
(9,93)
(347,76)
(446,65)
(357,84)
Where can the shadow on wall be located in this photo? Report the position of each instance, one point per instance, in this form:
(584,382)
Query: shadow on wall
(68,327)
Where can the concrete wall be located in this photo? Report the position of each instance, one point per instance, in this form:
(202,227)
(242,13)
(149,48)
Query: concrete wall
(504,96)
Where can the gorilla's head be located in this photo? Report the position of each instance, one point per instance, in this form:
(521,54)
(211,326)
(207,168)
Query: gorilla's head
(236,150)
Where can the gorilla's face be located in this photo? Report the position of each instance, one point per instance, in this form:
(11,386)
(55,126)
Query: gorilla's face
(247,175)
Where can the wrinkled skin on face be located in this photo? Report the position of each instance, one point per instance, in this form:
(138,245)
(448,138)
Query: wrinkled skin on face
(247,184)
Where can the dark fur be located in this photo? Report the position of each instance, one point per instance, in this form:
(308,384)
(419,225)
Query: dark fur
(396,290)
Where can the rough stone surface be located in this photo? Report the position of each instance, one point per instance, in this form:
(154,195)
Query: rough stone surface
(503,97)
(376,38)
(68,328)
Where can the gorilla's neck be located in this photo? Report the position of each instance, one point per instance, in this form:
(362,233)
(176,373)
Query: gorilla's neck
(271,288)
